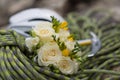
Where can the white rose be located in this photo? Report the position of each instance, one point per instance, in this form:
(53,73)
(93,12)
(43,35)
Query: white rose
(64,34)
(66,65)
(30,42)
(70,44)
(45,31)
(49,53)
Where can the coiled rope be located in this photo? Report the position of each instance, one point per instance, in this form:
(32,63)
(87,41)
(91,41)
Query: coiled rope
(15,65)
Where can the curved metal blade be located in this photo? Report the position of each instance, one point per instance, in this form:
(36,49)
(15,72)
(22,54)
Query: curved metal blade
(96,44)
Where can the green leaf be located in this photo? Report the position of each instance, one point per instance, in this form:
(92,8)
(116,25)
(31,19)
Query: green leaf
(76,49)
(61,45)
(56,24)
(32,33)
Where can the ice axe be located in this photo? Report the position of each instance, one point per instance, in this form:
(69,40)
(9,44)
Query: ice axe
(25,20)
(94,42)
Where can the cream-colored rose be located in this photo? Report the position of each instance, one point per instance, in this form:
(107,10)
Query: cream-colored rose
(45,31)
(49,53)
(30,42)
(64,34)
(66,65)
(70,44)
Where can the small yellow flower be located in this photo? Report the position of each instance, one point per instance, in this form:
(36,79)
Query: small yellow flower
(65,52)
(70,38)
(64,25)
(65,28)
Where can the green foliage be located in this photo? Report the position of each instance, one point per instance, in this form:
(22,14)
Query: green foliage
(56,24)
(76,49)
(53,68)
(61,45)
(32,33)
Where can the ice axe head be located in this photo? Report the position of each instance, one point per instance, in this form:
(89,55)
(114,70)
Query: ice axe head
(23,21)
(96,44)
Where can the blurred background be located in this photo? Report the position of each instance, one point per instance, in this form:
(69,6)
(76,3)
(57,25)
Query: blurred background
(63,7)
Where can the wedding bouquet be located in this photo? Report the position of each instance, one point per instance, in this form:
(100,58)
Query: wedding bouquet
(55,46)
